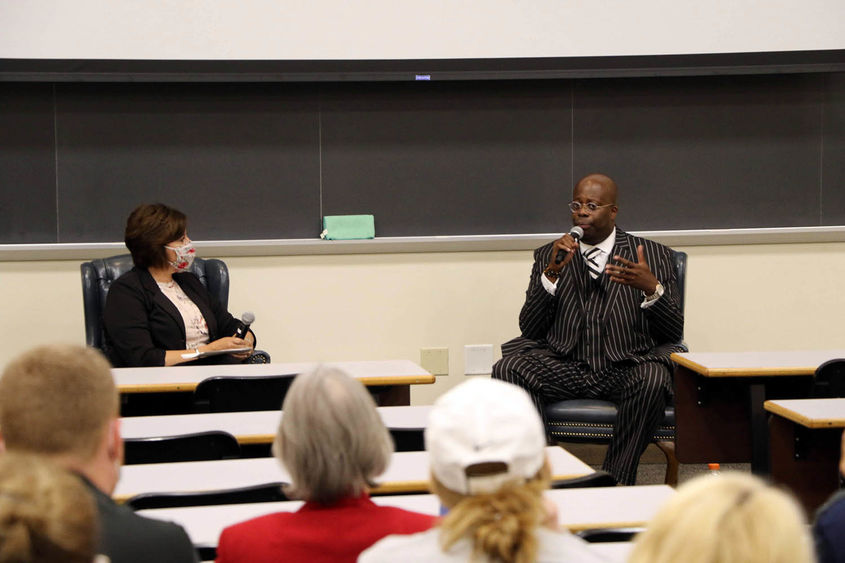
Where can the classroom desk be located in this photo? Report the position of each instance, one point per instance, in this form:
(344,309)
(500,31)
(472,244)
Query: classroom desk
(578,509)
(256,427)
(396,376)
(719,397)
(614,552)
(804,441)
(408,472)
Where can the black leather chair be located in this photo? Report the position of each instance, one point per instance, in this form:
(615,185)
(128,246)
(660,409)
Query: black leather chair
(98,275)
(199,446)
(829,380)
(408,439)
(242,393)
(598,479)
(592,420)
(606,535)
(267,492)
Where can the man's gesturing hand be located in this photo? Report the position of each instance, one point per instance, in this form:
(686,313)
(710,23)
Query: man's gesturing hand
(636,274)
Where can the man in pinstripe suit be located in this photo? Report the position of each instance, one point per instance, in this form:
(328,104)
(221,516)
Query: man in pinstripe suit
(600,319)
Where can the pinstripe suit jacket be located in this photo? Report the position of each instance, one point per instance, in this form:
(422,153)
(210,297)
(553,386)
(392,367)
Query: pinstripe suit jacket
(556,322)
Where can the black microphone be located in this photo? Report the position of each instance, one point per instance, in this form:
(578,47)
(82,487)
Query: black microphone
(574,232)
(246,319)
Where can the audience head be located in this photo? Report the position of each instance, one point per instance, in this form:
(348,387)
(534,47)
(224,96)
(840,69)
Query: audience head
(331,439)
(46,514)
(732,518)
(486,445)
(61,401)
(149,229)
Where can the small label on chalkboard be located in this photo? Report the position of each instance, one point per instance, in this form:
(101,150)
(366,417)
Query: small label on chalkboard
(422,77)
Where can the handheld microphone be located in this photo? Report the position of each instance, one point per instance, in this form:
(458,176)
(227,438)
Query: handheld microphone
(576,233)
(246,319)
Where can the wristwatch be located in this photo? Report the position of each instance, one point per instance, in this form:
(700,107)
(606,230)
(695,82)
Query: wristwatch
(658,292)
(551,274)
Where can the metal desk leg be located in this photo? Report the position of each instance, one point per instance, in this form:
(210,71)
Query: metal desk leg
(759,429)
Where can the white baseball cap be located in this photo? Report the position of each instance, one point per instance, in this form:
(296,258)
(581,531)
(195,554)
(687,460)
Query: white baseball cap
(487,426)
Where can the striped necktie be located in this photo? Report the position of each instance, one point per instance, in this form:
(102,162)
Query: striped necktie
(590,256)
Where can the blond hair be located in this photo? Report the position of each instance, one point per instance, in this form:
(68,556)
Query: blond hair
(46,514)
(501,525)
(331,438)
(57,400)
(732,518)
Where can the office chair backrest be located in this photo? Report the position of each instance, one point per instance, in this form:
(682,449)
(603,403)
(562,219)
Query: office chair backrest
(607,535)
(597,479)
(408,439)
(199,446)
(681,274)
(237,394)
(98,275)
(267,492)
(829,379)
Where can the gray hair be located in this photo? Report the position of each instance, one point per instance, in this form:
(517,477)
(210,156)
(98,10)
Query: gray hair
(331,439)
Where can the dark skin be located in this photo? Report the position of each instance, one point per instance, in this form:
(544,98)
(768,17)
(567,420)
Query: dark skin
(598,225)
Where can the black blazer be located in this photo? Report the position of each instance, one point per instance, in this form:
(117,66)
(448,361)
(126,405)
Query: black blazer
(128,538)
(141,323)
(630,332)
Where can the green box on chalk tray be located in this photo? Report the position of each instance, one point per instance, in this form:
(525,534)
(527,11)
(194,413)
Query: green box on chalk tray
(345,227)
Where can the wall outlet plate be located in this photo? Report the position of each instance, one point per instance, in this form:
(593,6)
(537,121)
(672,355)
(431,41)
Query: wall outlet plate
(478,359)
(435,360)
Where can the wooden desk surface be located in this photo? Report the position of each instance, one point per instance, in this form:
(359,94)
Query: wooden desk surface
(407,472)
(811,413)
(257,427)
(186,378)
(578,509)
(755,364)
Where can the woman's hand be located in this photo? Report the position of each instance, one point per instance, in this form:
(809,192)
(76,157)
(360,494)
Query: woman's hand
(232,342)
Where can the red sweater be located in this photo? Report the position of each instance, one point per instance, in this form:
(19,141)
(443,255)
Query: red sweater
(317,533)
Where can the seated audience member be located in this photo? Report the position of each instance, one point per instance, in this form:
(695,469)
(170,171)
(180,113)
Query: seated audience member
(486,444)
(732,518)
(333,443)
(46,515)
(60,402)
(159,310)
(830,522)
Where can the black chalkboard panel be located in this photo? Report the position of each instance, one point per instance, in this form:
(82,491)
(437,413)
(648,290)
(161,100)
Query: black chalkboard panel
(241,162)
(722,152)
(450,159)
(27,164)
(256,161)
(832,163)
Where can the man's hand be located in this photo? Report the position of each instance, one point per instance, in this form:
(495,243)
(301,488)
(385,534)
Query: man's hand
(636,274)
(569,246)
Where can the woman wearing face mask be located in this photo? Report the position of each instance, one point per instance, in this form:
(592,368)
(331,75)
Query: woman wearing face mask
(159,310)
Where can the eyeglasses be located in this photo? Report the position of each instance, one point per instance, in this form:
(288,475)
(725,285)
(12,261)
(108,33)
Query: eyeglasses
(576,206)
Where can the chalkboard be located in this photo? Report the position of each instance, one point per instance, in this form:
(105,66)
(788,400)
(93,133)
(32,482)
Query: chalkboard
(267,161)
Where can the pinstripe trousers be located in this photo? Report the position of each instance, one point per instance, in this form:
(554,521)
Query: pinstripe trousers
(639,390)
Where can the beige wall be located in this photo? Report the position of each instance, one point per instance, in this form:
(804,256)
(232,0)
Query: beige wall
(382,306)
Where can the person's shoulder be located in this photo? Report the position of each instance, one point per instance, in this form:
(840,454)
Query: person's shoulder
(544,250)
(407,521)
(564,546)
(422,546)
(152,528)
(258,525)
(650,245)
(131,537)
(833,510)
(130,278)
